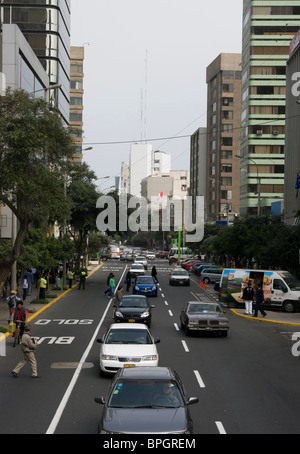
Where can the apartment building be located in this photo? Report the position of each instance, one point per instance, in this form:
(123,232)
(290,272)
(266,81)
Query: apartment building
(76,100)
(268,28)
(223,77)
(46,27)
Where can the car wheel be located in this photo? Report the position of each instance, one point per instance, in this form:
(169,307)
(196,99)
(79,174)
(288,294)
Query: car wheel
(206,280)
(289,306)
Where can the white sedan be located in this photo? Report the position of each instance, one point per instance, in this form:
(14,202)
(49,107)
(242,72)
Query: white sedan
(127,345)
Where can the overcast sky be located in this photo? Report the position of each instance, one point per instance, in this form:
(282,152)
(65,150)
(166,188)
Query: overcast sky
(145,72)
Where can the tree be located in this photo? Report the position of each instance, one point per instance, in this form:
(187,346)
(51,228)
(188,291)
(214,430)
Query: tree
(83,194)
(34,150)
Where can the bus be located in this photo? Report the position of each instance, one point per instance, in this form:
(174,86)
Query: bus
(185,253)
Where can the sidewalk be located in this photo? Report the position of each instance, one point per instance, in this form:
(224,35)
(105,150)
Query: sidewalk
(33,308)
(273,316)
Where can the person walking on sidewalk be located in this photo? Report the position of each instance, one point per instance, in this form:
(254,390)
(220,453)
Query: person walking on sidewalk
(248,295)
(259,301)
(70,277)
(28,346)
(43,286)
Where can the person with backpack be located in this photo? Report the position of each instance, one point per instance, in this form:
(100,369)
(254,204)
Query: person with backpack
(12,302)
(248,295)
(107,283)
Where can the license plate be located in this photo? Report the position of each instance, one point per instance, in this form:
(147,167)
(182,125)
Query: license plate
(145,291)
(129,365)
(131,320)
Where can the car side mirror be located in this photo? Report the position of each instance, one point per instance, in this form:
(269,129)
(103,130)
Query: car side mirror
(100,400)
(193,400)
(157,341)
(152,306)
(100,341)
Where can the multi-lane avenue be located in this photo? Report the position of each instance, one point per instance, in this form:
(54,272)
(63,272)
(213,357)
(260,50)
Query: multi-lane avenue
(247,383)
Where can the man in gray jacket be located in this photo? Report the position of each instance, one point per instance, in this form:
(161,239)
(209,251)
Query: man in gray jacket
(28,348)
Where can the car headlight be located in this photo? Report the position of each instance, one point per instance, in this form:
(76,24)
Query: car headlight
(137,287)
(154,287)
(109,357)
(145,314)
(119,314)
(149,358)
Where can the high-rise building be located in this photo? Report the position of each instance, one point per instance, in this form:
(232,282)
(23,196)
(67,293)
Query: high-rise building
(223,78)
(268,28)
(46,26)
(292,136)
(76,100)
(198,166)
(140,166)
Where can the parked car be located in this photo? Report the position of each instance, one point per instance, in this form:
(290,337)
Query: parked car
(190,265)
(136,269)
(145,285)
(146,400)
(207,265)
(140,259)
(133,309)
(195,267)
(187,263)
(179,277)
(127,345)
(211,275)
(203,316)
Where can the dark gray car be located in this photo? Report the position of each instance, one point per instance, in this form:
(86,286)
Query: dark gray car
(203,316)
(145,401)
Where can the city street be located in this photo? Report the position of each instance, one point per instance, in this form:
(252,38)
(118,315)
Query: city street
(247,383)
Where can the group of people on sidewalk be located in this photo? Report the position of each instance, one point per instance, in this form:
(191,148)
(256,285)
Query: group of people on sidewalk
(248,297)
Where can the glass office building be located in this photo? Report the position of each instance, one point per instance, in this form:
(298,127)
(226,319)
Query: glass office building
(46,26)
(268,28)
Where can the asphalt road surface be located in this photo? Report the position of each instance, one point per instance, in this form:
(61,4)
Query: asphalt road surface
(247,383)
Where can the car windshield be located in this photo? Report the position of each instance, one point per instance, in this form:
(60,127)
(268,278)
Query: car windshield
(292,282)
(137,267)
(128,336)
(146,393)
(203,308)
(133,302)
(180,273)
(145,280)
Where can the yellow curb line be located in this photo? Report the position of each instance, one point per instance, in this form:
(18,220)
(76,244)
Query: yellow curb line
(263,319)
(52,302)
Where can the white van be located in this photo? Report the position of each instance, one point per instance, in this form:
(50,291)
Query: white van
(281,289)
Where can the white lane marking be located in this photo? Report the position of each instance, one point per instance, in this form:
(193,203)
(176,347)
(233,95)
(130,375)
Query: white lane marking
(221,428)
(176,326)
(166,303)
(185,346)
(64,401)
(162,295)
(199,379)
(171,313)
